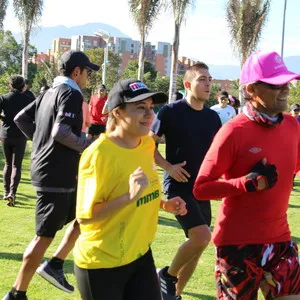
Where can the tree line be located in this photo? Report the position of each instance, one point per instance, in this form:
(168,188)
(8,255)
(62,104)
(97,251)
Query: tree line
(245,18)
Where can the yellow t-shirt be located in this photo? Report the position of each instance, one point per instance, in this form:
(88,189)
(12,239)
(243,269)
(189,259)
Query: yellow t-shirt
(104,171)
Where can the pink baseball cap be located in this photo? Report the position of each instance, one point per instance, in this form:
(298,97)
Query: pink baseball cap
(267,67)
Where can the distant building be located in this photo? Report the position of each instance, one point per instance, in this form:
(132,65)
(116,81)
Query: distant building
(84,42)
(59,46)
(40,58)
(183,64)
(223,84)
(163,58)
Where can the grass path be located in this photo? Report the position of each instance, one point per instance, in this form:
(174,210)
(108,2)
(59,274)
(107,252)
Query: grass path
(17,229)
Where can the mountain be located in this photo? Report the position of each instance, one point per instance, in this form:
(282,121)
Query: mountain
(233,72)
(224,71)
(42,37)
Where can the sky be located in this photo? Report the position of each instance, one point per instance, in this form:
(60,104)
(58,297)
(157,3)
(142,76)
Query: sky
(204,34)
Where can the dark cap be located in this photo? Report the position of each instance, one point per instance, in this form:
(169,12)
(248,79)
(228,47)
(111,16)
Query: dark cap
(295,106)
(101,87)
(223,94)
(130,91)
(71,59)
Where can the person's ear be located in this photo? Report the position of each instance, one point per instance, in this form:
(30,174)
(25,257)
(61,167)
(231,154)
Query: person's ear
(187,85)
(250,89)
(76,71)
(116,113)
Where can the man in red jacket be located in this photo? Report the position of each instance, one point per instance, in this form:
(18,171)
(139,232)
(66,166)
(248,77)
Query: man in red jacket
(251,233)
(97,118)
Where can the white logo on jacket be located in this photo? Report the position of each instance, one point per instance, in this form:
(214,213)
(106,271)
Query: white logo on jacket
(255,150)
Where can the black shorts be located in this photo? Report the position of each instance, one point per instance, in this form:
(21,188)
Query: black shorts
(198,212)
(96,129)
(135,281)
(53,211)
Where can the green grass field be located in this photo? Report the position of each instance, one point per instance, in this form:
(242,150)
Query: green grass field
(17,230)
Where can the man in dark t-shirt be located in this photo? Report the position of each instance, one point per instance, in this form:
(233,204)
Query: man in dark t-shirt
(54,121)
(189,128)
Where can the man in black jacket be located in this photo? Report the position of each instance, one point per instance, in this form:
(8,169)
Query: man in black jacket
(13,140)
(54,122)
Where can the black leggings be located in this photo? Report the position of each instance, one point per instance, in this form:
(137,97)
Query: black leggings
(135,281)
(13,150)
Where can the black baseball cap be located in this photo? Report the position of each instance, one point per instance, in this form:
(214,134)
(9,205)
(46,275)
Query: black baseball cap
(295,106)
(71,59)
(223,94)
(101,87)
(130,91)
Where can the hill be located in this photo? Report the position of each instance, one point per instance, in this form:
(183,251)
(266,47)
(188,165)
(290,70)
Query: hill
(42,37)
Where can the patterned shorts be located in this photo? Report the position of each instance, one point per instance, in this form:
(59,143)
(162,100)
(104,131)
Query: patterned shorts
(241,269)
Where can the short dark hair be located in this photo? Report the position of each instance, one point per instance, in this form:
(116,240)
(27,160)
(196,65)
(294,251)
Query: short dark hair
(191,70)
(223,94)
(16,83)
(68,72)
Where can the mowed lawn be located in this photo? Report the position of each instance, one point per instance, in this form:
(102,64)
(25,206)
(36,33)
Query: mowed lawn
(17,230)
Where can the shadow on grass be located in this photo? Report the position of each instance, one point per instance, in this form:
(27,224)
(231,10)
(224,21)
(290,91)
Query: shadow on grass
(296,239)
(25,181)
(294,206)
(68,265)
(168,222)
(26,196)
(199,296)
(11,256)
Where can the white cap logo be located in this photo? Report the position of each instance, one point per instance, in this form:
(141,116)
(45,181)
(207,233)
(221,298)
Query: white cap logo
(278,59)
(137,86)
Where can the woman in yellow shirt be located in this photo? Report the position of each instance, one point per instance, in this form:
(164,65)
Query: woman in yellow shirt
(118,202)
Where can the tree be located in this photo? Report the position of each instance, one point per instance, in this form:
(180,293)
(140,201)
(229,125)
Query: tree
(214,91)
(143,13)
(131,70)
(246,19)
(96,56)
(161,84)
(10,54)
(3,7)
(44,75)
(11,59)
(28,13)
(294,96)
(234,88)
(179,8)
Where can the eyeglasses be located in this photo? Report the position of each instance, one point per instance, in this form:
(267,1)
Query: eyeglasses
(89,71)
(296,110)
(274,86)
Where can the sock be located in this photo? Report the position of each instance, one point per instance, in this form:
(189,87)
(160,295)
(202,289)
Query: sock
(169,275)
(56,263)
(18,295)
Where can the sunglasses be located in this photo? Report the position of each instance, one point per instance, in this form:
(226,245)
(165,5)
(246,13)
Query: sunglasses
(89,71)
(296,110)
(273,86)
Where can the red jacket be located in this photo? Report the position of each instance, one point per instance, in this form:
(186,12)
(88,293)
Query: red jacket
(96,106)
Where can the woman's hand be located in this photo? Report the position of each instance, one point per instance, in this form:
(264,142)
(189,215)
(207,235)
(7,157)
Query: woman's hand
(175,205)
(138,181)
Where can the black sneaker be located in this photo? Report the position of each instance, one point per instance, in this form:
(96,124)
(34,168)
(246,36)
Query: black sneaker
(167,284)
(11,200)
(55,277)
(9,296)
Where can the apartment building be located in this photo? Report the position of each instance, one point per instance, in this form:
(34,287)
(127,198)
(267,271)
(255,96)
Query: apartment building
(84,42)
(60,45)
